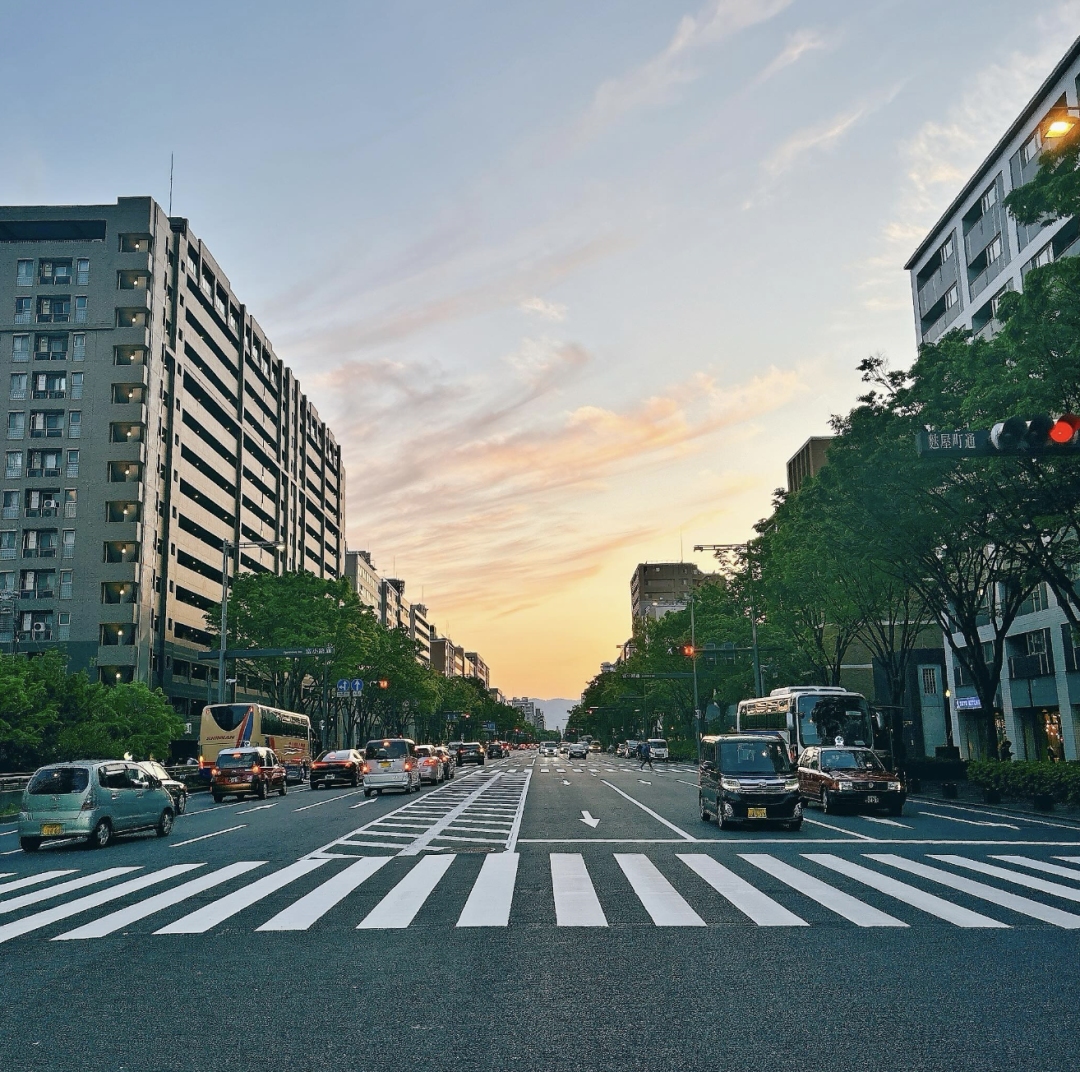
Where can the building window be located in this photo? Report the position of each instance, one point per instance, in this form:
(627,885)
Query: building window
(82,271)
(65,584)
(18,386)
(20,348)
(46,424)
(988,199)
(7,544)
(63,623)
(952,296)
(11,505)
(55,272)
(24,274)
(54,310)
(78,347)
(75,424)
(946,249)
(23,311)
(1044,256)
(69,544)
(72,467)
(76,385)
(80,310)
(995,301)
(71,502)
(16,425)
(13,467)
(993,251)
(929,681)
(51,348)
(1030,149)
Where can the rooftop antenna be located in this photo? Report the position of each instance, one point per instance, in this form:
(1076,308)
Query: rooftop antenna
(171,160)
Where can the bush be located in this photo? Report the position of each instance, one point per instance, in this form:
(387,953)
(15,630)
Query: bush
(1027,778)
(937,770)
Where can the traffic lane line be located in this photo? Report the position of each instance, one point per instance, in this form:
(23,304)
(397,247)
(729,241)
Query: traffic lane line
(997,814)
(649,811)
(838,829)
(203,837)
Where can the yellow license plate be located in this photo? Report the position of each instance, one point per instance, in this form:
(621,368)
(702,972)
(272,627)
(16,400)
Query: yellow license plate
(51,829)
(385,766)
(756,813)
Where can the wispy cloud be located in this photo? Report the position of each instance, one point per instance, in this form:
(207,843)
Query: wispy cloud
(544,309)
(654,82)
(797,45)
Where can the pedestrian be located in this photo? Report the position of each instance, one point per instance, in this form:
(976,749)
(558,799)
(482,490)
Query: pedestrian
(1051,754)
(646,756)
(1006,750)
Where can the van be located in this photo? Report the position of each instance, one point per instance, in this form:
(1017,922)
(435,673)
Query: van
(748,778)
(391,764)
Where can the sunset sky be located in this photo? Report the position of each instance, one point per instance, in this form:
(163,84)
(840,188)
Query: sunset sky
(569,280)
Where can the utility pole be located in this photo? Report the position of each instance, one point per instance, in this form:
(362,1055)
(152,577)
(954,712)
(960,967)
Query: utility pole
(697,702)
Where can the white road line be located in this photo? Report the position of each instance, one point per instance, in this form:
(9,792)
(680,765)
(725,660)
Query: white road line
(576,904)
(1069,859)
(843,904)
(399,907)
(996,814)
(5,833)
(98,928)
(838,829)
(661,900)
(202,919)
(968,822)
(261,807)
(33,880)
(1067,893)
(885,822)
(14,903)
(10,852)
(317,804)
(748,899)
(492,893)
(360,805)
(926,902)
(300,915)
(191,841)
(659,818)
(440,825)
(1024,905)
(643,782)
(82,904)
(685,782)
(1039,865)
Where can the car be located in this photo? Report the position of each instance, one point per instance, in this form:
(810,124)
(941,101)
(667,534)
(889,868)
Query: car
(564,749)
(632,749)
(391,763)
(449,760)
(620,750)
(345,765)
(748,778)
(177,790)
(577,750)
(253,771)
(471,752)
(658,748)
(92,800)
(495,750)
(430,764)
(849,777)
(595,746)
(548,749)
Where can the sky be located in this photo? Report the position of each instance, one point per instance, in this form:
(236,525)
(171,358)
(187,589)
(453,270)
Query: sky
(569,281)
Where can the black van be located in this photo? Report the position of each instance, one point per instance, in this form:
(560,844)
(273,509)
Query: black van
(748,778)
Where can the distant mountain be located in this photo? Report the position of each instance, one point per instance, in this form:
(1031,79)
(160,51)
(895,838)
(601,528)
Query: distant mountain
(555,711)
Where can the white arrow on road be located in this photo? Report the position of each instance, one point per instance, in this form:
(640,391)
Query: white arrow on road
(587,818)
(565,782)
(643,782)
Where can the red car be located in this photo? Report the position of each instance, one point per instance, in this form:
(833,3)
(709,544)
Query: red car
(242,772)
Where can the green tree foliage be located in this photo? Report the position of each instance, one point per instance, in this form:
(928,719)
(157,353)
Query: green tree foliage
(1054,193)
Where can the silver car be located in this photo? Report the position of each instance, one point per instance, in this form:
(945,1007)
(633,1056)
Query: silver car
(177,790)
(93,800)
(391,763)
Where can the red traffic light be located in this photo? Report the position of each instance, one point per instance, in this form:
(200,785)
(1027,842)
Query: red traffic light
(687,650)
(384,684)
(1065,428)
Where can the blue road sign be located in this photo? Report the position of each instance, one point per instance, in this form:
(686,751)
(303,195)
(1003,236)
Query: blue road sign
(343,687)
(357,685)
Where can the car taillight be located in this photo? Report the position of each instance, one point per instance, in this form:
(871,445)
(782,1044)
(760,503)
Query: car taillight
(202,762)
(408,766)
(89,803)
(215,771)
(255,769)
(366,769)
(430,762)
(316,765)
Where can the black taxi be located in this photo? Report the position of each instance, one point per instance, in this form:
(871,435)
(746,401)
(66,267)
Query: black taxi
(748,778)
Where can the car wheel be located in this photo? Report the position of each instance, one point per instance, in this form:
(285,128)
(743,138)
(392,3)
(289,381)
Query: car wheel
(828,805)
(367,792)
(702,810)
(355,781)
(219,797)
(896,809)
(795,824)
(164,824)
(283,791)
(378,792)
(102,835)
(260,790)
(29,844)
(181,804)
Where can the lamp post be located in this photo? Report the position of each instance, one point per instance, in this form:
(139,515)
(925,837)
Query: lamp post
(226,546)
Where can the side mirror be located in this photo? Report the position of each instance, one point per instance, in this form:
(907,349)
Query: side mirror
(879,721)
(708,765)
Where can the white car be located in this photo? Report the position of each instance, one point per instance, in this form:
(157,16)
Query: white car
(658,748)
(548,749)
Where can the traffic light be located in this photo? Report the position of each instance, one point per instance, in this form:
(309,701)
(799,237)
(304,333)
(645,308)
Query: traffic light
(383,683)
(687,650)
(1041,434)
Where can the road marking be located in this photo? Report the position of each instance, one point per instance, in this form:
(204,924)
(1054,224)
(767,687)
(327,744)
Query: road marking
(843,904)
(565,782)
(6,832)
(493,892)
(191,841)
(202,919)
(926,902)
(560,770)
(1024,905)
(34,880)
(14,903)
(885,822)
(643,782)
(969,822)
(313,906)
(1038,865)
(588,820)
(399,907)
(317,804)
(996,814)
(661,900)
(1067,893)
(261,807)
(748,899)
(659,818)
(543,770)
(576,904)
(685,782)
(1069,859)
(82,904)
(360,805)
(440,825)
(838,829)
(98,928)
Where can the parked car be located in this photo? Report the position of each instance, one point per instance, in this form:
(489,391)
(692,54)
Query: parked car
(849,777)
(748,778)
(471,752)
(345,765)
(391,764)
(577,750)
(449,760)
(621,750)
(430,764)
(94,800)
(177,790)
(632,749)
(251,771)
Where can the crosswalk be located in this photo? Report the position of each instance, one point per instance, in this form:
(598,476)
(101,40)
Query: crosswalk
(563,889)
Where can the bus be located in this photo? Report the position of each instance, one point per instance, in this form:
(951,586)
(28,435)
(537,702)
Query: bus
(809,714)
(238,724)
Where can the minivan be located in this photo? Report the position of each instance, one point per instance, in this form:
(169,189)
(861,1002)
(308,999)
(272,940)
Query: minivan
(391,764)
(748,778)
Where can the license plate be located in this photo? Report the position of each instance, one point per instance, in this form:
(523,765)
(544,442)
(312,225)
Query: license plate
(51,829)
(872,800)
(756,813)
(385,766)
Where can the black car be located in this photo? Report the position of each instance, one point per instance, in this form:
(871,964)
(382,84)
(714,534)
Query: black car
(748,778)
(345,766)
(495,751)
(471,752)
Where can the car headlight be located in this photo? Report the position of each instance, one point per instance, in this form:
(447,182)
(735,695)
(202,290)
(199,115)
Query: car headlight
(730,784)
(845,785)
(894,787)
(791,783)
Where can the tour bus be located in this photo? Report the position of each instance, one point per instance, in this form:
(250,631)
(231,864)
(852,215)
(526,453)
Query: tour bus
(239,724)
(809,714)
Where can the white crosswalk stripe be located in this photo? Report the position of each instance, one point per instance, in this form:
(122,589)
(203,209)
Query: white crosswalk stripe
(748,899)
(1016,877)
(33,880)
(493,892)
(399,907)
(576,903)
(661,900)
(1039,865)
(12,904)
(303,913)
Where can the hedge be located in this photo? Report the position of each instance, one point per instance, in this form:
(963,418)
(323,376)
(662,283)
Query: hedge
(1026,778)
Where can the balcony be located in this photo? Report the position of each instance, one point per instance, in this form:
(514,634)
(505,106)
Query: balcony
(983,232)
(126,432)
(119,593)
(36,634)
(117,634)
(126,473)
(37,593)
(131,318)
(989,329)
(117,673)
(987,276)
(1040,664)
(931,291)
(941,325)
(117,551)
(119,511)
(127,356)
(41,550)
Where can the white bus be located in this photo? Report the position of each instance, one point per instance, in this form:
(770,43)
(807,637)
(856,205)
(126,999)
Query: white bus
(809,714)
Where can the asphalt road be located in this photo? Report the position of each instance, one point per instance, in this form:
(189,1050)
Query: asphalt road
(537,914)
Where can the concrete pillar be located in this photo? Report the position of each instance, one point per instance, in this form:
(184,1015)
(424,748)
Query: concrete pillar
(1061,679)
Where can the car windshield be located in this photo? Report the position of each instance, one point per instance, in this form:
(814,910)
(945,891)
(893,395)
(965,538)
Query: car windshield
(387,749)
(424,750)
(59,780)
(658,742)
(237,759)
(156,769)
(471,746)
(754,757)
(340,757)
(849,759)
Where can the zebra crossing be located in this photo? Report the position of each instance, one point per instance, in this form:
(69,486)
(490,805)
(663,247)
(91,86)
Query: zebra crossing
(686,889)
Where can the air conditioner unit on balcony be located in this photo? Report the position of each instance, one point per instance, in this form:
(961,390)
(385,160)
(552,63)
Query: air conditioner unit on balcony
(37,630)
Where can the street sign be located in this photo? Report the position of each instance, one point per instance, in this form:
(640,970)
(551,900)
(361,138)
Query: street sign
(265,653)
(489,726)
(357,685)
(967,703)
(343,687)
(963,443)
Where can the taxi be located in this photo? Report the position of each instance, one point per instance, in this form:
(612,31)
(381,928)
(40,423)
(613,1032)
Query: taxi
(852,777)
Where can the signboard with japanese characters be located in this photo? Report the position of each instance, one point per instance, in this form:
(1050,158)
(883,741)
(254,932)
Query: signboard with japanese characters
(963,443)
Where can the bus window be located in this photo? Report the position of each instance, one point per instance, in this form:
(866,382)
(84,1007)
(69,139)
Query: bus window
(824,718)
(229,716)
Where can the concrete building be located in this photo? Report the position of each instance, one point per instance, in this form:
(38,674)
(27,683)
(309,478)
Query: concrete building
(420,631)
(529,711)
(365,579)
(148,420)
(479,667)
(658,588)
(807,461)
(446,657)
(975,253)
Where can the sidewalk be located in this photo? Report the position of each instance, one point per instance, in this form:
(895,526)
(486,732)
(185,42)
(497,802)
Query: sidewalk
(972,796)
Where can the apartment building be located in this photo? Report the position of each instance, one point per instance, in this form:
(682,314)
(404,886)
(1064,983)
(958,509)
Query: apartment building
(148,420)
(529,711)
(446,657)
(478,667)
(807,461)
(974,254)
(365,579)
(658,588)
